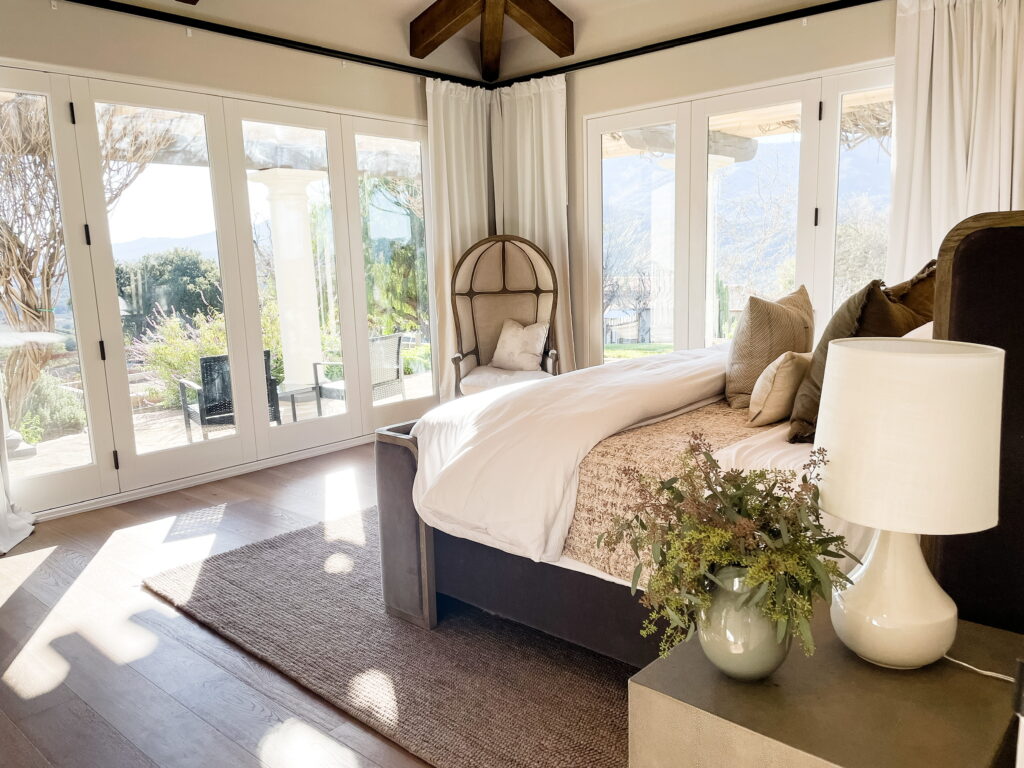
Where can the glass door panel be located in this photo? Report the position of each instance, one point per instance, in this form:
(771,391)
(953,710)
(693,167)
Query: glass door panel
(155,170)
(638,183)
(394,248)
(159,199)
(292,232)
(54,428)
(753,181)
(863,190)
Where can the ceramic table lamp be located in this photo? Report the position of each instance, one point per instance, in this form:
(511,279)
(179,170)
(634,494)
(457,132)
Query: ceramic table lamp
(911,429)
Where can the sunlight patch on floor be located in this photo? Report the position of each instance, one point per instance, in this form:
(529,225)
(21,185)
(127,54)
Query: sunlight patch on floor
(349,529)
(341,494)
(17,568)
(373,692)
(294,744)
(339,563)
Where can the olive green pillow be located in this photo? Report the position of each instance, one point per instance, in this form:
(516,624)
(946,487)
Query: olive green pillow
(874,310)
(765,330)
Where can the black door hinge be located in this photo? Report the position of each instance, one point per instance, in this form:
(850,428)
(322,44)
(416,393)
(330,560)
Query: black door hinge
(88,235)
(117,464)
(815,217)
(821,109)
(71,105)
(103,350)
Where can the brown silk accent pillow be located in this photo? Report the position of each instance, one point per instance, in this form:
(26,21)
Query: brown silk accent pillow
(874,310)
(765,330)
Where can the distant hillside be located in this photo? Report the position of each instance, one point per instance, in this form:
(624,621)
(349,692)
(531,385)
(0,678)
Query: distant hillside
(134,250)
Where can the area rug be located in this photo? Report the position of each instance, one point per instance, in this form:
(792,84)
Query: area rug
(476,692)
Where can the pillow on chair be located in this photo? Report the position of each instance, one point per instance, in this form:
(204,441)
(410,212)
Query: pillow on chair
(519,348)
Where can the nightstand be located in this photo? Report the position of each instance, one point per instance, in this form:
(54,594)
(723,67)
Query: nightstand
(832,709)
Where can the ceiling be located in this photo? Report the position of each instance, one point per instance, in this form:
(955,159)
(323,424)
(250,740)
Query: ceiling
(380,28)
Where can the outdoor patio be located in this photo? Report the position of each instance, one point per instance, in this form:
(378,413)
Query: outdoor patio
(165,428)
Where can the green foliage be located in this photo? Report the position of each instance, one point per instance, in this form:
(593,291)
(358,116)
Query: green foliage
(621,351)
(30,428)
(416,359)
(171,349)
(270,326)
(687,528)
(179,280)
(52,411)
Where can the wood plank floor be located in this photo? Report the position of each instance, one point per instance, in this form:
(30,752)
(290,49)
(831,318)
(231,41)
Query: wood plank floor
(96,672)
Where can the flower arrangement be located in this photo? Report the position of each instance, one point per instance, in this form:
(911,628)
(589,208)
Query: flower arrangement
(687,528)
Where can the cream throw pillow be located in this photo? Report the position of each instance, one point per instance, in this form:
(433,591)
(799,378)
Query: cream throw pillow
(519,348)
(766,329)
(775,390)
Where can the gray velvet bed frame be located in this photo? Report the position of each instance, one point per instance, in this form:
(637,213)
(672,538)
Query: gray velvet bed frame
(981,274)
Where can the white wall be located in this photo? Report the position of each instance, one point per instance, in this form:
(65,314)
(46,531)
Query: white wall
(83,37)
(838,39)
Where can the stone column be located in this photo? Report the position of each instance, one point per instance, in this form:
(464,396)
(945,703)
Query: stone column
(294,270)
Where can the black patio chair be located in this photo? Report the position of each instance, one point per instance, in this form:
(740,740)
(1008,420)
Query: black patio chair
(214,404)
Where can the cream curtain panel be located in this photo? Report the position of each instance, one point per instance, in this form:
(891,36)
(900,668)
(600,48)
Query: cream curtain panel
(459,151)
(531,185)
(498,166)
(959,121)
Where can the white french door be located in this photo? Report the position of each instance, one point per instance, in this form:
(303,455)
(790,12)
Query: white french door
(191,283)
(291,221)
(386,172)
(59,444)
(154,167)
(754,164)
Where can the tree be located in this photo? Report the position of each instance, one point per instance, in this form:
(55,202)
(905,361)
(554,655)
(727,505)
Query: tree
(180,280)
(33,263)
(396,268)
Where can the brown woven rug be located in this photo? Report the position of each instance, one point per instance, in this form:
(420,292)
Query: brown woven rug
(477,692)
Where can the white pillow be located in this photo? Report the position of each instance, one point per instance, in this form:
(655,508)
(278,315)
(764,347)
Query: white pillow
(775,390)
(519,348)
(922,332)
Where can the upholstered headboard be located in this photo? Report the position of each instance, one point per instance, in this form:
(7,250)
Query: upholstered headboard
(498,278)
(978,299)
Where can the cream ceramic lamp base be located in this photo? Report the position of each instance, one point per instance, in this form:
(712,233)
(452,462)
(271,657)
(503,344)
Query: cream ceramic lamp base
(895,614)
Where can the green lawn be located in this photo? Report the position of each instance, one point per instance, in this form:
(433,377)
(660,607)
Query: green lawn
(619,351)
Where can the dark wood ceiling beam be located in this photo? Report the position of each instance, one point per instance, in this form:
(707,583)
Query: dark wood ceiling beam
(492,25)
(545,22)
(439,22)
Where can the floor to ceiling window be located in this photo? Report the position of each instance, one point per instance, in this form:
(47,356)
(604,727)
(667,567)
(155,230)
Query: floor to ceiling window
(193,282)
(787,185)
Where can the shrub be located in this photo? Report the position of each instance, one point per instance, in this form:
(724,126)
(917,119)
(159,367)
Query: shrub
(52,411)
(416,359)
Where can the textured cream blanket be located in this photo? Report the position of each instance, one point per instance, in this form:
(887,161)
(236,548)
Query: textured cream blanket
(607,485)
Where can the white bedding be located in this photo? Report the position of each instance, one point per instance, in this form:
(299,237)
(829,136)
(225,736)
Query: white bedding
(501,467)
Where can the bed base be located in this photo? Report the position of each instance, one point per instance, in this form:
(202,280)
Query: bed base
(418,564)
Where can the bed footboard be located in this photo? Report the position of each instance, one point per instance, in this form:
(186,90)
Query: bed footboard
(406,544)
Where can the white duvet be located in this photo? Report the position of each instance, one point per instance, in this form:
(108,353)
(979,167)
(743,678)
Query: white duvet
(501,467)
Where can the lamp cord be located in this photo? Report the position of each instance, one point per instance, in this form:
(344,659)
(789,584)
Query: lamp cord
(984,672)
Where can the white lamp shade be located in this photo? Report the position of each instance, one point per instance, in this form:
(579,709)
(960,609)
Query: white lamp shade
(911,429)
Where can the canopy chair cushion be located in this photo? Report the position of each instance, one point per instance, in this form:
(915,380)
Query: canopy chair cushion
(487,377)
(520,348)
(501,278)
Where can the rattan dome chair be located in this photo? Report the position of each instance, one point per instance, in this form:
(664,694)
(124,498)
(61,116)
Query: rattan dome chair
(499,278)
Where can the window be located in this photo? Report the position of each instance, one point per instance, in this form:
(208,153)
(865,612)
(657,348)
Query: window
(864,190)
(638,182)
(753,183)
(695,207)
(393,235)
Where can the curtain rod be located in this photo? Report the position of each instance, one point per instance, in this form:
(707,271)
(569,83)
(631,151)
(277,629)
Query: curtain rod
(358,58)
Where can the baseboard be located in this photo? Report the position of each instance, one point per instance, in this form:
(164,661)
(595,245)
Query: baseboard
(188,482)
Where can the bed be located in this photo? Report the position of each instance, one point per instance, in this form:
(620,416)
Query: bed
(567,587)
(561,583)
